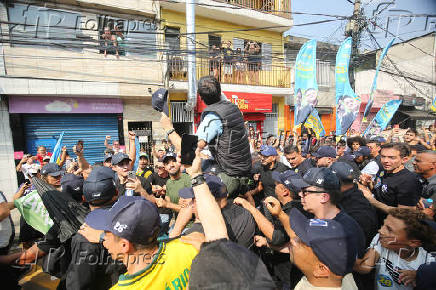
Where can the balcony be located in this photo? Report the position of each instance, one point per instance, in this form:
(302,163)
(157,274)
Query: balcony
(236,73)
(280,8)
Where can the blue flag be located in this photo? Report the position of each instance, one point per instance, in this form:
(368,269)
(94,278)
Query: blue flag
(347,102)
(382,119)
(374,82)
(314,122)
(138,149)
(306,88)
(56,156)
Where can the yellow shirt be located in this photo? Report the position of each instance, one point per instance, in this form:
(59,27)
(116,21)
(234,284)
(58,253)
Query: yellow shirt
(169,269)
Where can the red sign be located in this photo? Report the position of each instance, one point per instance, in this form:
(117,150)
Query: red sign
(246,102)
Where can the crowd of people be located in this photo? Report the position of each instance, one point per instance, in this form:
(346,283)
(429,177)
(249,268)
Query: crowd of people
(238,212)
(235,65)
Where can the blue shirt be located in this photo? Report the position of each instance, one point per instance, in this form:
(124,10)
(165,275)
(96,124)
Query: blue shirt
(210,127)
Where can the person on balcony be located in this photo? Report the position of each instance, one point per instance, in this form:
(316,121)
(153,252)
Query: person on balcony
(240,66)
(253,49)
(214,61)
(227,53)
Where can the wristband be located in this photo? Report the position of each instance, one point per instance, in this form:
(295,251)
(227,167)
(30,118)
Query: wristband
(198,180)
(170,131)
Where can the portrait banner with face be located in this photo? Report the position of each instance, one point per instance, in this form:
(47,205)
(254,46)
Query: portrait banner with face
(347,102)
(382,119)
(306,88)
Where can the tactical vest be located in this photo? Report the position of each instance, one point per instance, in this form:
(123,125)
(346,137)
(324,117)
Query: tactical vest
(231,149)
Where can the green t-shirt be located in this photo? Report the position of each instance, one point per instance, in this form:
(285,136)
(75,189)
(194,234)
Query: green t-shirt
(173,186)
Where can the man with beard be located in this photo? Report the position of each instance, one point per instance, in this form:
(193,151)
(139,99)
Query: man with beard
(268,159)
(177,180)
(425,165)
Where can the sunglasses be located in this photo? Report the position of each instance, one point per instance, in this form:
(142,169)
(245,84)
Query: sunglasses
(307,192)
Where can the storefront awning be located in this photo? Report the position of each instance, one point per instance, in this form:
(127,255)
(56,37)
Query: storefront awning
(419,115)
(247,102)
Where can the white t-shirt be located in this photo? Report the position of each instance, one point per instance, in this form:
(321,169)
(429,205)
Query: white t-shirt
(386,274)
(25,169)
(347,284)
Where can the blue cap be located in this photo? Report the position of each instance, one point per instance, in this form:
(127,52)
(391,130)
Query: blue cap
(268,151)
(216,186)
(107,157)
(210,166)
(120,156)
(131,217)
(343,171)
(73,185)
(362,151)
(51,169)
(99,185)
(325,151)
(168,156)
(186,192)
(159,101)
(322,177)
(292,180)
(327,238)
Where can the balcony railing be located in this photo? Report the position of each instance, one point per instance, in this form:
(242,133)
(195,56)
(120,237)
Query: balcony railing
(277,7)
(240,73)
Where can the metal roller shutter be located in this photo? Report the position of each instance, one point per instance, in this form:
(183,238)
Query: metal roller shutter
(92,129)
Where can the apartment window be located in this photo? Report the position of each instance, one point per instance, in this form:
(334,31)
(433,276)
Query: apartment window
(172,38)
(323,73)
(127,37)
(34,25)
(266,56)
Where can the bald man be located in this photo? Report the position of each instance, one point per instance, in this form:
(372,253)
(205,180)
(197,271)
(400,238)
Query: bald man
(425,165)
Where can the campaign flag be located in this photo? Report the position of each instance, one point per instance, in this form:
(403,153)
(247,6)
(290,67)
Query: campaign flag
(306,88)
(374,82)
(33,211)
(314,122)
(138,150)
(433,105)
(382,119)
(347,102)
(56,156)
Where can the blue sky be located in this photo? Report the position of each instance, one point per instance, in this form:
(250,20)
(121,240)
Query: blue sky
(392,15)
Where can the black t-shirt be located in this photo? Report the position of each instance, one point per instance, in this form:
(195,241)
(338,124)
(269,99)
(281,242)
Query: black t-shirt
(358,207)
(401,188)
(304,166)
(240,224)
(227,55)
(122,187)
(91,266)
(268,182)
(355,235)
(280,236)
(155,179)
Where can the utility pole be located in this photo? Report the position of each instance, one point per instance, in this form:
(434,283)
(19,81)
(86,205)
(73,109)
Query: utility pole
(191,47)
(354,29)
